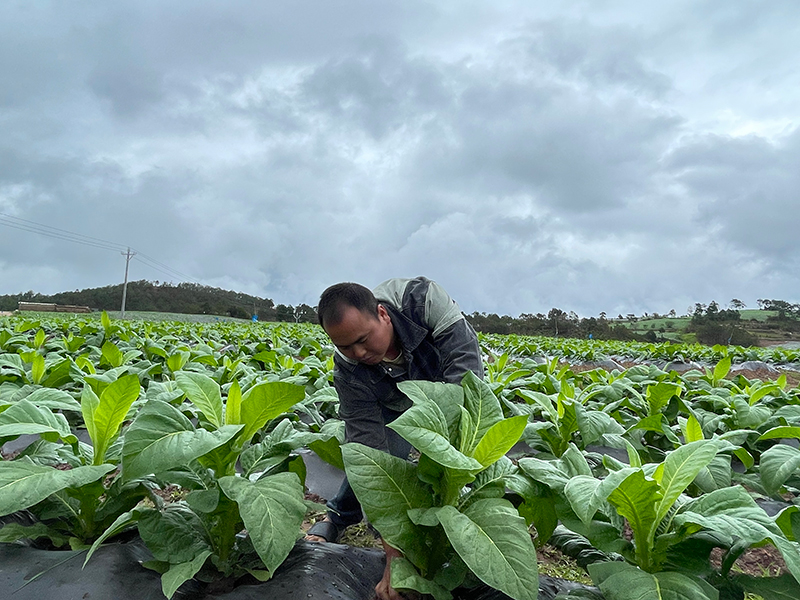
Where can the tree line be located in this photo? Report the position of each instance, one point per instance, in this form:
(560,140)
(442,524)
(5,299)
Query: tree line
(711,323)
(556,323)
(184,298)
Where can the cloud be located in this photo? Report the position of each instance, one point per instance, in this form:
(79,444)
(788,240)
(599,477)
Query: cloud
(615,157)
(747,189)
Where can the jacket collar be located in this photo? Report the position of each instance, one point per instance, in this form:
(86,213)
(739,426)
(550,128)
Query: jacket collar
(409,333)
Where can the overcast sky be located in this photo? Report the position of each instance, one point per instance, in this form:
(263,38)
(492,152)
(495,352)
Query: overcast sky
(617,156)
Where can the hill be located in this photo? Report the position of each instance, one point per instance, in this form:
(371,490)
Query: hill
(183,298)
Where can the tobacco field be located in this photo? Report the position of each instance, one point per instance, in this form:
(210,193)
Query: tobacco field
(662,463)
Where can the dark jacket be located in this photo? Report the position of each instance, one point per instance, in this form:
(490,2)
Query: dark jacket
(418,308)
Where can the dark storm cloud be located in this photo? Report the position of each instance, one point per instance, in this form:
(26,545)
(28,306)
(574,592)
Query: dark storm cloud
(608,157)
(604,57)
(378,90)
(748,189)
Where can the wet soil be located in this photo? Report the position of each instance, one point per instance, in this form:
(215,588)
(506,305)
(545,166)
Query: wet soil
(757,562)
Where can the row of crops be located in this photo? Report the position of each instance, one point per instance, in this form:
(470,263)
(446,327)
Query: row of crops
(593,350)
(189,435)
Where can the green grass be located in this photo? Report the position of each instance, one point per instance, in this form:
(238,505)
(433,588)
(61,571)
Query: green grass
(678,325)
(136,315)
(757,315)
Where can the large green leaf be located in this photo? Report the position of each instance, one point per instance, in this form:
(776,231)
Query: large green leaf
(620,581)
(658,395)
(782,432)
(122,522)
(541,400)
(594,424)
(161,438)
(492,482)
(178,574)
(776,466)
(499,439)
(204,393)
(54,400)
(328,450)
(483,407)
(272,509)
(104,415)
(716,475)
(447,396)
(424,425)
(549,472)
(406,577)
(574,462)
(23,484)
(266,401)
(784,587)
(636,498)
(37,368)
(175,535)
(24,418)
(387,488)
(586,494)
(12,532)
(732,512)
(58,374)
(722,368)
(679,470)
(111,355)
(492,539)
(233,404)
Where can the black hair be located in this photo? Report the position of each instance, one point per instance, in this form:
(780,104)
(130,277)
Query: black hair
(339,296)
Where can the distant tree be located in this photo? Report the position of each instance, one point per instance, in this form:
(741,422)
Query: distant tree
(555,316)
(284,313)
(736,304)
(303,313)
(782,307)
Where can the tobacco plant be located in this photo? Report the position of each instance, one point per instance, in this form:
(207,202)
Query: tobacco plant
(74,490)
(447,514)
(205,526)
(672,534)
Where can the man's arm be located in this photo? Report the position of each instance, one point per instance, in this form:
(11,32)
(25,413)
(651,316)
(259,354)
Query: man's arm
(453,336)
(363,420)
(459,351)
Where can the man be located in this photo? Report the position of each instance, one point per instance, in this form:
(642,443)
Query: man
(404,329)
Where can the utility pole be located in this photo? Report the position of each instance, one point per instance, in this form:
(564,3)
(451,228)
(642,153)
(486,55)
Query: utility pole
(127,256)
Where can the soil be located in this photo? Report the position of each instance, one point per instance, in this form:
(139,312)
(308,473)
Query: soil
(757,562)
(360,535)
(554,563)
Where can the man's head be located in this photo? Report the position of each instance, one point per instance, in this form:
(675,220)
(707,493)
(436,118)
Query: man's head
(357,324)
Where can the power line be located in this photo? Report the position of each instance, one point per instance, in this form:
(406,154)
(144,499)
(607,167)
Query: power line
(154,264)
(166,271)
(78,238)
(54,232)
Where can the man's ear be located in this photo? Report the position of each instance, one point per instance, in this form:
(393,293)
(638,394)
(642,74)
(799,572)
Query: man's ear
(383,314)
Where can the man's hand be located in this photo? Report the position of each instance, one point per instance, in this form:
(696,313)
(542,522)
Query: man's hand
(384,589)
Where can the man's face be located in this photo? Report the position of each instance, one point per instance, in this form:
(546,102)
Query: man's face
(362,337)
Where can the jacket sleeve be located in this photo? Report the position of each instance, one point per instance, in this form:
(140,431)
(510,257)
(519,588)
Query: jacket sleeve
(453,336)
(362,416)
(459,351)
